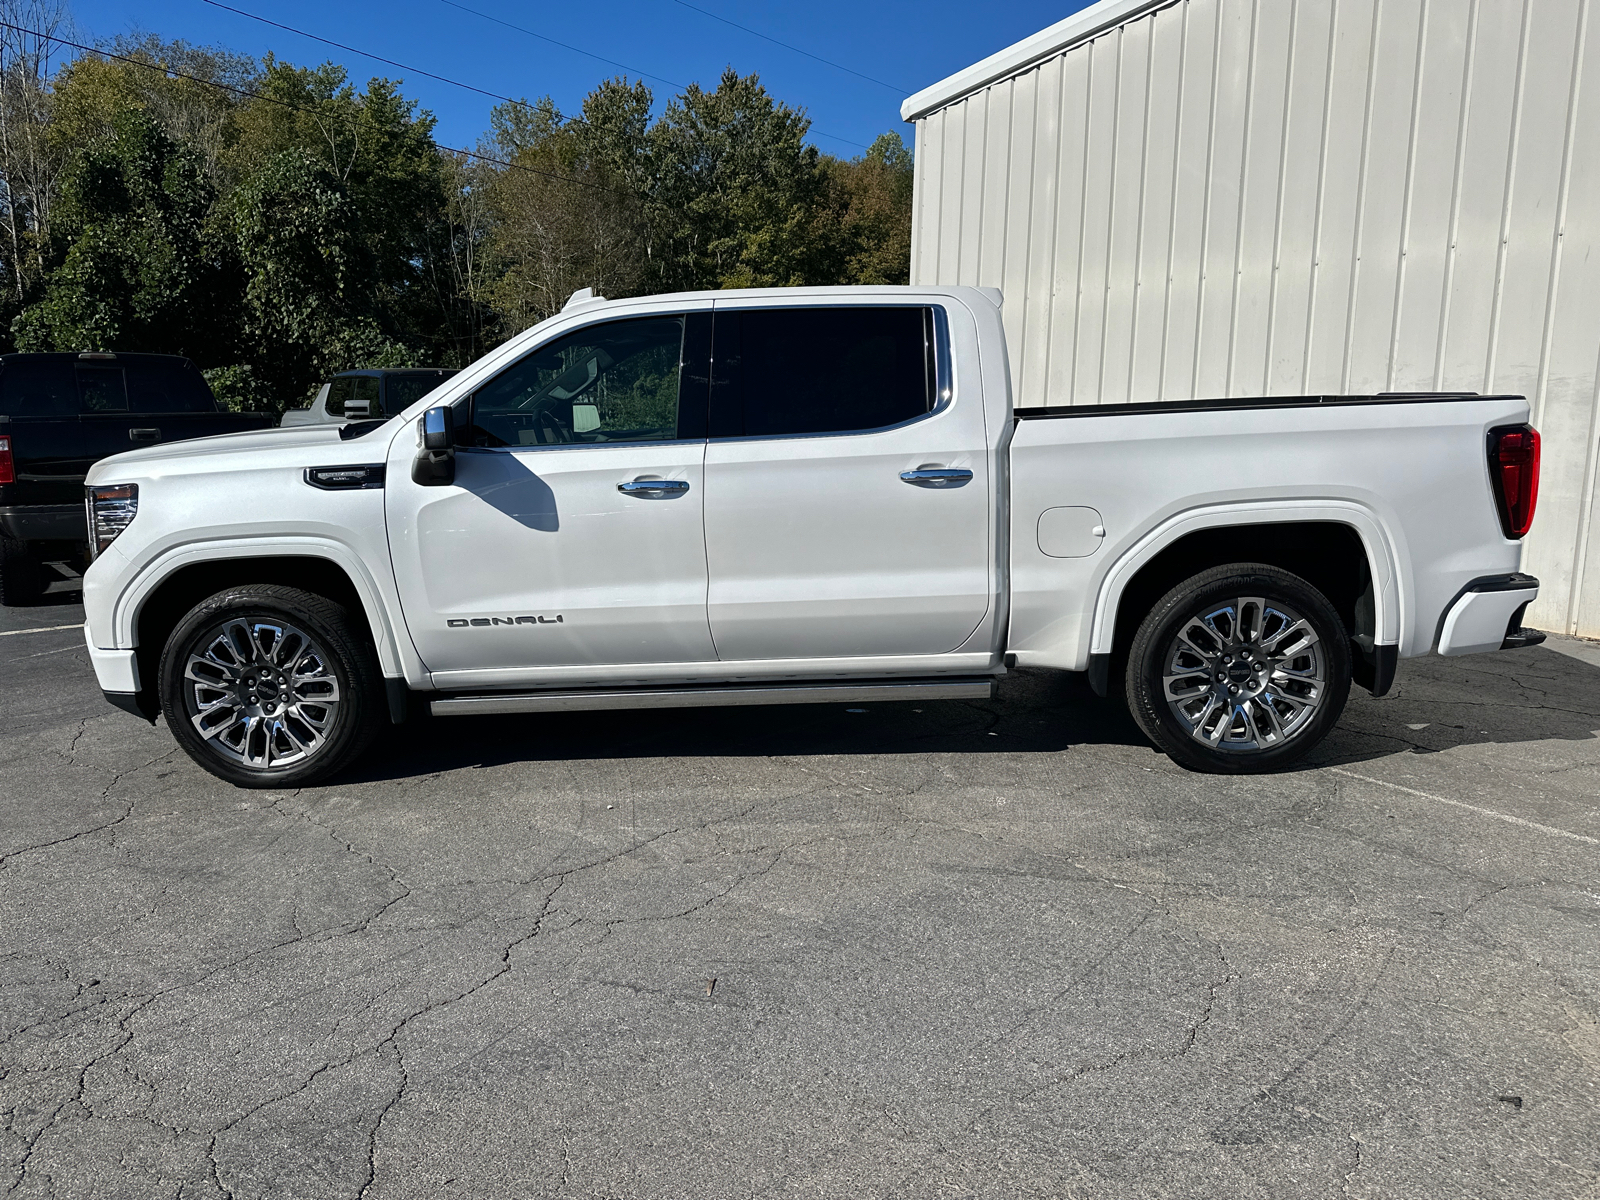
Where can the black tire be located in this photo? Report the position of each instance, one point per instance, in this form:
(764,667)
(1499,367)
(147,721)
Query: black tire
(22,578)
(314,711)
(1248,692)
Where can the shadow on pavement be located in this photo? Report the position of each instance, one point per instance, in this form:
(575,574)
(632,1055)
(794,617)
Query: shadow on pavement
(1437,704)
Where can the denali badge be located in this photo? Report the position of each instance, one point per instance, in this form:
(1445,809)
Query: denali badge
(555,620)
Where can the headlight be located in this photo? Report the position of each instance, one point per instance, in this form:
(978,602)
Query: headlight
(111,510)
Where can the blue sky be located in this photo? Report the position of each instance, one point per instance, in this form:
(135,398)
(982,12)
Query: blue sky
(905,44)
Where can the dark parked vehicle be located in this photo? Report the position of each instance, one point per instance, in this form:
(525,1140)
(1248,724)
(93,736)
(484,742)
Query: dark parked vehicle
(361,395)
(62,413)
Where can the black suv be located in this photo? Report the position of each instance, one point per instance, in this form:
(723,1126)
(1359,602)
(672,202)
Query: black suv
(61,413)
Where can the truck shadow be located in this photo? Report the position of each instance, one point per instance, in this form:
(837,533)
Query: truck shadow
(1436,705)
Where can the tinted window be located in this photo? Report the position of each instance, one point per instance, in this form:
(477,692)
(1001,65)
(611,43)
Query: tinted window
(616,382)
(820,370)
(168,388)
(402,391)
(38,389)
(366,388)
(101,389)
(339,390)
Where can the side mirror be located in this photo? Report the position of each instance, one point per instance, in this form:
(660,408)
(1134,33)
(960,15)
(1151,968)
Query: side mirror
(435,464)
(357,410)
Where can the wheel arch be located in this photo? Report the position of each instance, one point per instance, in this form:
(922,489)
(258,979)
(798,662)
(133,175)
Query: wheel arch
(1342,550)
(165,591)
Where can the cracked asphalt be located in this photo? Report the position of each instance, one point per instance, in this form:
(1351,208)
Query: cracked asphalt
(986,950)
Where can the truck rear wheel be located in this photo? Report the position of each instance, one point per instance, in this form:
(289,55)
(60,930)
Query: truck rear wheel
(1241,669)
(268,686)
(22,578)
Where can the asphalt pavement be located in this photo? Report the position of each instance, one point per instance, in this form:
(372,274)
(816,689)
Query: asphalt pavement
(994,949)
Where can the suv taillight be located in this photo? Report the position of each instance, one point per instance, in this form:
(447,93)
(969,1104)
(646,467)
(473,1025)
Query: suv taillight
(8,465)
(1514,468)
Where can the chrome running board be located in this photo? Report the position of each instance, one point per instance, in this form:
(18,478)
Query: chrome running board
(964,688)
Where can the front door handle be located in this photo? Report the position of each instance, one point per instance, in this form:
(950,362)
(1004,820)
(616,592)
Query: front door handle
(937,476)
(144,435)
(654,489)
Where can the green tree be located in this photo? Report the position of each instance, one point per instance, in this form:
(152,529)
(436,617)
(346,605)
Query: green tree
(734,191)
(869,206)
(378,148)
(568,210)
(134,265)
(310,307)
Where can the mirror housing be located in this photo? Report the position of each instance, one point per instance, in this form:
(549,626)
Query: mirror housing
(357,410)
(435,464)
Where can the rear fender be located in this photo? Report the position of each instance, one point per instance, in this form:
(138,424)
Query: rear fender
(1388,586)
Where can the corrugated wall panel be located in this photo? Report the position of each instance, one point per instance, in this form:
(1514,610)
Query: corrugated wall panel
(1046,198)
(1126,197)
(1235,197)
(1260,195)
(1305,129)
(1563,551)
(1156,215)
(1435,176)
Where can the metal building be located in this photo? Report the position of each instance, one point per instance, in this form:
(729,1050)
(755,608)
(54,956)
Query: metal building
(1186,199)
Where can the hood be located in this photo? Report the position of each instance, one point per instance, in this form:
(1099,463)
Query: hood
(229,445)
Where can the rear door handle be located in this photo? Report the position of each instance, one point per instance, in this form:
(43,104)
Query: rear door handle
(936,476)
(144,435)
(654,489)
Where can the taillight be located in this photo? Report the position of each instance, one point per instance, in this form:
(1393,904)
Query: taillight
(8,466)
(1514,468)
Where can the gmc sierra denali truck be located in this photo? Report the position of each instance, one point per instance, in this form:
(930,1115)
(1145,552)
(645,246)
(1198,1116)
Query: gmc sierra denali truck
(790,496)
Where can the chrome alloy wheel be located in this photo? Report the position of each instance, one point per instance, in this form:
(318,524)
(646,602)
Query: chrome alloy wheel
(261,693)
(1246,675)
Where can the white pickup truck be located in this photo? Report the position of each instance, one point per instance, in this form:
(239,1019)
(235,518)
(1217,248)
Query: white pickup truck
(794,496)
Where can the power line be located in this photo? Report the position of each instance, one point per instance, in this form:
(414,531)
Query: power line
(611,62)
(262,96)
(364,54)
(817,57)
(456,82)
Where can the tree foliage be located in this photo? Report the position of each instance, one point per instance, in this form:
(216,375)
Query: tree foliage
(135,265)
(277,223)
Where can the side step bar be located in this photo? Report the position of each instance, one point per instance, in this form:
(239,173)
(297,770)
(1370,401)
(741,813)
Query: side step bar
(963,688)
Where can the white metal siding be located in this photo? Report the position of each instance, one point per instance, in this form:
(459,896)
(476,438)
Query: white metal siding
(1235,197)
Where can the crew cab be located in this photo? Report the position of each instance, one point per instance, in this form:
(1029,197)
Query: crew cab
(794,496)
(60,413)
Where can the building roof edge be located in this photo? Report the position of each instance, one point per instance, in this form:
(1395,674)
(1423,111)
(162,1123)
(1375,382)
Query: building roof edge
(1088,23)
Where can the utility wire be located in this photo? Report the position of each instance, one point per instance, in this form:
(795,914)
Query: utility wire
(456,82)
(364,53)
(610,62)
(817,57)
(262,96)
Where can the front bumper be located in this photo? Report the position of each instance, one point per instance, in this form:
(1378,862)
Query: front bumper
(1487,615)
(117,672)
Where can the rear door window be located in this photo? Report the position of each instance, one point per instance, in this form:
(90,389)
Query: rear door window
(168,388)
(102,389)
(820,370)
(40,388)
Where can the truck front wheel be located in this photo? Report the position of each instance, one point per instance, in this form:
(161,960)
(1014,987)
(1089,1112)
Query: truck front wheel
(269,687)
(1240,669)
